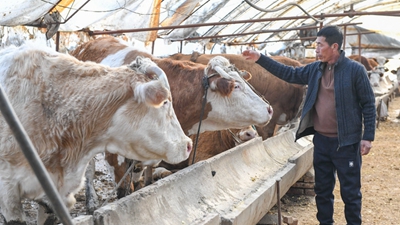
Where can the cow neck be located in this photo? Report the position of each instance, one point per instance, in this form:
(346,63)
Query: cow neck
(206,84)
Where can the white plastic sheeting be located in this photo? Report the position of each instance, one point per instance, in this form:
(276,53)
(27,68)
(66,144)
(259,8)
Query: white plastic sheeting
(113,15)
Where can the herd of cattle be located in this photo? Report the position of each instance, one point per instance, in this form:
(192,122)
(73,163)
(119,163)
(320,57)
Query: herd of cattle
(108,97)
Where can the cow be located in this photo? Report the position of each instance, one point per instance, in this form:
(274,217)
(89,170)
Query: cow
(227,90)
(71,111)
(284,97)
(376,73)
(396,82)
(230,101)
(375,79)
(295,51)
(373,62)
(363,60)
(305,61)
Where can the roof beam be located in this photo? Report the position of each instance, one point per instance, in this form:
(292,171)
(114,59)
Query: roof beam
(263,31)
(292,39)
(321,16)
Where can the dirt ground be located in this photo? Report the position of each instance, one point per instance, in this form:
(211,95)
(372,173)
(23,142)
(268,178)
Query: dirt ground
(380,181)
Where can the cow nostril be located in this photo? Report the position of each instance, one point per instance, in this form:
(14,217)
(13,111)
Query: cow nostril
(189,147)
(270,110)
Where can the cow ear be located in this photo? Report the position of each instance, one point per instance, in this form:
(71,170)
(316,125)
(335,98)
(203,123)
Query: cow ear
(153,93)
(245,74)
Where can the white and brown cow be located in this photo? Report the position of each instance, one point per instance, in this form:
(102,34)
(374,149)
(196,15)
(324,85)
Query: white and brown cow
(73,110)
(230,101)
(363,60)
(284,97)
(376,81)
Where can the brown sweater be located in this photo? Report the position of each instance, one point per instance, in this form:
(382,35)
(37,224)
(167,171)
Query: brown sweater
(325,121)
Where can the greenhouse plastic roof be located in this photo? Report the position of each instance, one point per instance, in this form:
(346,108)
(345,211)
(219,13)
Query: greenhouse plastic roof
(219,21)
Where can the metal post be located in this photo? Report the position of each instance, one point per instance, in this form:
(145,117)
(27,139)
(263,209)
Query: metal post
(33,158)
(344,38)
(278,196)
(359,46)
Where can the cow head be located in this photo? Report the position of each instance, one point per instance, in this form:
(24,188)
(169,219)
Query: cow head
(247,133)
(160,135)
(396,72)
(375,77)
(232,99)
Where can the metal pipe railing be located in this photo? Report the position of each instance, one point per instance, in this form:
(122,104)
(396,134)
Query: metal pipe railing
(33,158)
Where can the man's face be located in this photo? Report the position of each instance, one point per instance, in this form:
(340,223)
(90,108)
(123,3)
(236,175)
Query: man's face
(323,50)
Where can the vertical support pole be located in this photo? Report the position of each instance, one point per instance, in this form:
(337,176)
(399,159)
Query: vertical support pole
(278,196)
(359,46)
(58,41)
(344,37)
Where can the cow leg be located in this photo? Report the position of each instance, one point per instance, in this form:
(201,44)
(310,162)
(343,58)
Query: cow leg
(160,172)
(10,205)
(148,175)
(92,201)
(127,186)
(45,215)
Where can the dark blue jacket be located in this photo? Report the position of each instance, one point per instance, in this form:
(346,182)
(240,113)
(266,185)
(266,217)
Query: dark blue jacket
(354,98)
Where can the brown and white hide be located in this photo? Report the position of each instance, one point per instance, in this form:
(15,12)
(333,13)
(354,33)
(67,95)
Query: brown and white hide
(285,98)
(71,111)
(230,101)
(363,60)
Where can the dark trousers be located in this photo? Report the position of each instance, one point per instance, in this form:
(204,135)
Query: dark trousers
(346,163)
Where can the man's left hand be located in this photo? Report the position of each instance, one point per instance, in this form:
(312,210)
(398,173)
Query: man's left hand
(365,147)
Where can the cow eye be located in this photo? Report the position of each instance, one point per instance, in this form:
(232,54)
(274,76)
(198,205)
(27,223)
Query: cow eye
(165,102)
(237,86)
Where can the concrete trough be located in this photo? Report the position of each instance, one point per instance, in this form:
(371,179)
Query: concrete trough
(238,186)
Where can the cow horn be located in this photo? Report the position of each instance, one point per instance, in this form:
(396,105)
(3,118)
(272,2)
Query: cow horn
(146,66)
(222,72)
(160,73)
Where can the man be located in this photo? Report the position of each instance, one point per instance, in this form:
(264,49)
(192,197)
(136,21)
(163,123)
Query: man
(339,110)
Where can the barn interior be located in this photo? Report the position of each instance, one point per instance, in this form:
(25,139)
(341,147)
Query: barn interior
(165,27)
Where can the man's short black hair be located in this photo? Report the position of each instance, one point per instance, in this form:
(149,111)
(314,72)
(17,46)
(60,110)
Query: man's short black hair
(332,34)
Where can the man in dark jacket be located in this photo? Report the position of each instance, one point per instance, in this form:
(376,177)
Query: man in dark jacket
(339,110)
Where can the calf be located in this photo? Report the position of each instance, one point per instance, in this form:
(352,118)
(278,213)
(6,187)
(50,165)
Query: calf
(72,110)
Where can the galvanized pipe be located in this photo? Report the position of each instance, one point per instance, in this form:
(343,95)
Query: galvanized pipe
(385,13)
(33,158)
(263,31)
